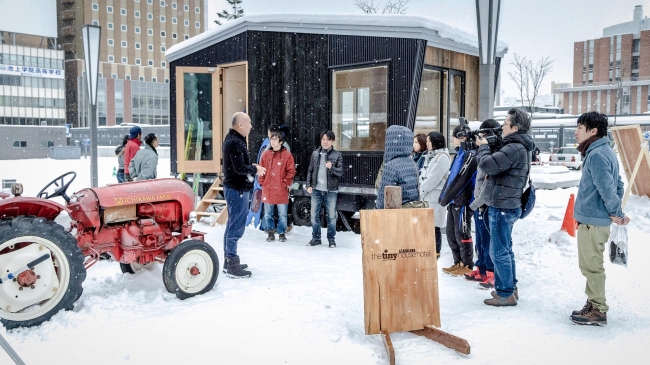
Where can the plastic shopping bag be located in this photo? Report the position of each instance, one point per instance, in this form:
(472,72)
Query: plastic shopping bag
(618,245)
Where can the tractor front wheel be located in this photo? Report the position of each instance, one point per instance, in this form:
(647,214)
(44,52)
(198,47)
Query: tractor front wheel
(190,269)
(30,296)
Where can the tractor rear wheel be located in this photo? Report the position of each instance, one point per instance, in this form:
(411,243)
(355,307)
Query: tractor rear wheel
(41,291)
(134,267)
(190,269)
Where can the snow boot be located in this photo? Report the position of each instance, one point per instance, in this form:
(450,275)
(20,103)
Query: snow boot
(332,243)
(451,269)
(587,306)
(501,301)
(235,270)
(314,242)
(488,282)
(461,270)
(271,236)
(282,237)
(493,293)
(225,265)
(475,275)
(590,315)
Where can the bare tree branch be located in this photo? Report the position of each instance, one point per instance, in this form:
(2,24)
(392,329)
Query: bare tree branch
(520,75)
(367,6)
(620,82)
(529,79)
(390,7)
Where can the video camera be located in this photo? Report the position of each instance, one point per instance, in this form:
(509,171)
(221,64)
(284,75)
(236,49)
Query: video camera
(492,135)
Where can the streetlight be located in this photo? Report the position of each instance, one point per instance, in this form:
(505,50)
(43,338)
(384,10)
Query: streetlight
(91,35)
(487,19)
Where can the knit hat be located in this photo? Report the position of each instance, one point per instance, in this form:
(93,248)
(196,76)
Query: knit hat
(437,140)
(135,130)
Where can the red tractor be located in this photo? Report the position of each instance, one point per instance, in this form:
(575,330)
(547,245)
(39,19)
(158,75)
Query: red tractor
(43,265)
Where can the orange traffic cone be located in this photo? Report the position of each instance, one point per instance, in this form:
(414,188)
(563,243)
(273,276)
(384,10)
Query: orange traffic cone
(569,225)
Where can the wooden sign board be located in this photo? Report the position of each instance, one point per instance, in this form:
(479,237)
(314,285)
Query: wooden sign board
(628,140)
(400,275)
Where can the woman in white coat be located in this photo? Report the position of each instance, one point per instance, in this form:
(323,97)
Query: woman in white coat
(432,179)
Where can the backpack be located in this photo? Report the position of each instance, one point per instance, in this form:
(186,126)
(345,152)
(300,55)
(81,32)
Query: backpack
(528,197)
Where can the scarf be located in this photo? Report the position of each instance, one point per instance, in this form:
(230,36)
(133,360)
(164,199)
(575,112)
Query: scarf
(584,145)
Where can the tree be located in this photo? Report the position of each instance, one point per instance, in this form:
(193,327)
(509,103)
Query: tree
(529,78)
(391,6)
(237,11)
(620,83)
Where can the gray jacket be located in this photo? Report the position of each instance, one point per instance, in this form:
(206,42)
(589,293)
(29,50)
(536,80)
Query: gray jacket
(482,190)
(432,179)
(144,165)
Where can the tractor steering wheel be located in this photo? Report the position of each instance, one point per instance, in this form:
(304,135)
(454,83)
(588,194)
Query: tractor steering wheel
(61,189)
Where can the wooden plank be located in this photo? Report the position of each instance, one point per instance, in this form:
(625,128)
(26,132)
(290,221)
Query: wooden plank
(629,141)
(392,197)
(447,339)
(400,274)
(388,345)
(222,218)
(214,201)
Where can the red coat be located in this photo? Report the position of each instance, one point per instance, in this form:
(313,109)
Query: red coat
(132,147)
(280,170)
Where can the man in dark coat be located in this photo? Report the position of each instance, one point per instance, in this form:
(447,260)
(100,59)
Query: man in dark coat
(238,181)
(325,170)
(508,168)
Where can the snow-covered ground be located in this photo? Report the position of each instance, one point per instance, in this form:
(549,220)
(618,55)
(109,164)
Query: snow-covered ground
(304,305)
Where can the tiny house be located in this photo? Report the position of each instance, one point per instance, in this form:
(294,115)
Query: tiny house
(353,74)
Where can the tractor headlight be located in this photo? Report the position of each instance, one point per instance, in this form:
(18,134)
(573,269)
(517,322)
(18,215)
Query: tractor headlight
(192,218)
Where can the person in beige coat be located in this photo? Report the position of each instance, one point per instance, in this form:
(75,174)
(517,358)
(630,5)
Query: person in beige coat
(432,179)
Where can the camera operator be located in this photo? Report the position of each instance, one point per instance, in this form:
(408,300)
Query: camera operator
(508,168)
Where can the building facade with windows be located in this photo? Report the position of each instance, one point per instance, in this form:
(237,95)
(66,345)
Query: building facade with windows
(133,84)
(611,74)
(32,80)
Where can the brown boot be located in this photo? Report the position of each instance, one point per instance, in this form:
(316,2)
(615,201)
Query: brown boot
(493,293)
(579,311)
(461,270)
(590,315)
(501,302)
(451,269)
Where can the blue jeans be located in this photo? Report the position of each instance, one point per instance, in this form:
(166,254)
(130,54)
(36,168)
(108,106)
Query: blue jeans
(484,262)
(328,198)
(237,204)
(120,177)
(505,273)
(269,221)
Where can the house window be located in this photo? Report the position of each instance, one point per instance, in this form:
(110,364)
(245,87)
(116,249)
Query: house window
(141,78)
(429,112)
(162,2)
(150,63)
(101,74)
(111,58)
(113,76)
(166,81)
(186,7)
(186,37)
(162,49)
(95,7)
(197,10)
(149,1)
(125,60)
(138,61)
(359,108)
(174,5)
(174,35)
(127,77)
(163,34)
(150,31)
(149,16)
(174,20)
(163,64)
(123,27)
(197,24)
(153,79)
(20,143)
(109,9)
(95,22)
(110,42)
(150,47)
(137,30)
(109,25)
(123,11)
(124,45)
(137,14)
(162,18)
(186,22)
(137,46)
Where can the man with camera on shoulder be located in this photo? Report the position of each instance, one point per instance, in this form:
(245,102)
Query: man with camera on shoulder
(508,167)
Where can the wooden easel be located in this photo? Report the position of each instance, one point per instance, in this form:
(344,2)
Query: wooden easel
(630,143)
(400,275)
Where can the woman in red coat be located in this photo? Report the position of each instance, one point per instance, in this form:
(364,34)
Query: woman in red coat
(280,170)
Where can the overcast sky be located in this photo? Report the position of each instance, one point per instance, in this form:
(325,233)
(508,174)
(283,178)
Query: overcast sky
(531,28)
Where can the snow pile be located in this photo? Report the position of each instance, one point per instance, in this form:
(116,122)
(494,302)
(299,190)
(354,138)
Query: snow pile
(553,177)
(304,305)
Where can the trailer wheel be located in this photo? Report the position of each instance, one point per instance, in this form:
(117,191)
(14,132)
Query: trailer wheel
(51,285)
(302,212)
(134,267)
(190,269)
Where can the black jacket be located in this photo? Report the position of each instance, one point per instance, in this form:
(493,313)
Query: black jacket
(509,169)
(239,173)
(459,188)
(333,174)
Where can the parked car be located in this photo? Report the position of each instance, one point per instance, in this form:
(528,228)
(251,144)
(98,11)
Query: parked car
(566,156)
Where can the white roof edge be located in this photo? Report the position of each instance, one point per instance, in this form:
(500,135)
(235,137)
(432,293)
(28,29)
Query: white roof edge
(436,34)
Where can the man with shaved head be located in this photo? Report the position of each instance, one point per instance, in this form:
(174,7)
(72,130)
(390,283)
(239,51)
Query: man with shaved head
(239,175)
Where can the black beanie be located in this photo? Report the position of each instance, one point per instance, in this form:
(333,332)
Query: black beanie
(437,140)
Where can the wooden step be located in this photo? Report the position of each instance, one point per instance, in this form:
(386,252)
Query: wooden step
(208,214)
(217,188)
(213,201)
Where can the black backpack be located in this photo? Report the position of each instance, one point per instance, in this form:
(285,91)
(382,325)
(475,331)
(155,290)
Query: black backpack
(528,197)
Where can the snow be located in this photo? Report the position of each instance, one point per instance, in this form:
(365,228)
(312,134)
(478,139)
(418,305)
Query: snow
(304,305)
(553,177)
(330,24)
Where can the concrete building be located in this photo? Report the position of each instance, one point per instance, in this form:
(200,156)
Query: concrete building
(31,80)
(133,85)
(617,64)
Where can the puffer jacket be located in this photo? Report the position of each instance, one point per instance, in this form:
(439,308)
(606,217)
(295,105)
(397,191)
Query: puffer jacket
(333,175)
(432,179)
(144,165)
(280,170)
(508,167)
(399,168)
